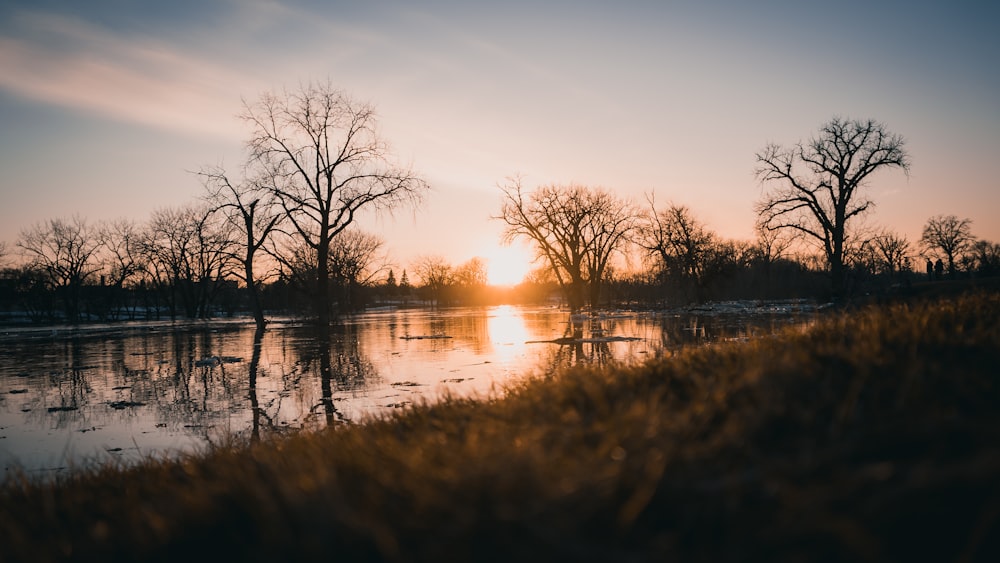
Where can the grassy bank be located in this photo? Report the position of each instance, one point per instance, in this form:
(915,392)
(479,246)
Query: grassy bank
(873,436)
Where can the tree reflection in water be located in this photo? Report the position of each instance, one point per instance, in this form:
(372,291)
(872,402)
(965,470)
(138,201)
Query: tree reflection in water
(136,390)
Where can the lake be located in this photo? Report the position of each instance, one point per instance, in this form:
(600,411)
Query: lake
(70,396)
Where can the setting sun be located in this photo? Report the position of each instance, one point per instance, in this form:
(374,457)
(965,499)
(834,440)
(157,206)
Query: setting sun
(507,265)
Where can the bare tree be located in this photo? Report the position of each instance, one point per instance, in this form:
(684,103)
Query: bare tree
(435,275)
(947,236)
(820,184)
(254,214)
(470,280)
(986,257)
(575,230)
(122,259)
(326,163)
(772,245)
(121,247)
(471,274)
(680,242)
(189,257)
(357,258)
(892,252)
(66,251)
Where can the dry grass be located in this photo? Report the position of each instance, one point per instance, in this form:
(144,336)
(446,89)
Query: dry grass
(873,436)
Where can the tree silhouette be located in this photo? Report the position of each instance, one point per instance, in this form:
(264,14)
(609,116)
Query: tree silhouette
(66,251)
(323,158)
(819,185)
(681,244)
(947,236)
(575,230)
(253,213)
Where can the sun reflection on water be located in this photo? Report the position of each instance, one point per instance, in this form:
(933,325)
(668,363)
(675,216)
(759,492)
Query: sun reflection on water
(508,332)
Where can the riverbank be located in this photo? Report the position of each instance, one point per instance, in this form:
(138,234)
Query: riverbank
(873,435)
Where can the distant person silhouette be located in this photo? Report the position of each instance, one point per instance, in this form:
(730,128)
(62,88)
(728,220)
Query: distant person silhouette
(930,270)
(939,269)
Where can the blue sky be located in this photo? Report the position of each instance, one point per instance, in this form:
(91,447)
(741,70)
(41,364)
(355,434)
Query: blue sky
(105,106)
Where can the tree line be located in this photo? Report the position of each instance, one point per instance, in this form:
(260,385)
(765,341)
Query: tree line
(281,234)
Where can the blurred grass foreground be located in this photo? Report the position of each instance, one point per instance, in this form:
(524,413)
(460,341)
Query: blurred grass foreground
(872,436)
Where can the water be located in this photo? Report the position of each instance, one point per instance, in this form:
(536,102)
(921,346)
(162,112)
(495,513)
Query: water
(73,396)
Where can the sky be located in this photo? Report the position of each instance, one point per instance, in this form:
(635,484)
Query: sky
(108,106)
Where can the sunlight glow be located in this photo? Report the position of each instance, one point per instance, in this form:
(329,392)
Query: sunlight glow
(507,265)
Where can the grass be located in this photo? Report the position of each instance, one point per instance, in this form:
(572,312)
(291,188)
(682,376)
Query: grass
(872,436)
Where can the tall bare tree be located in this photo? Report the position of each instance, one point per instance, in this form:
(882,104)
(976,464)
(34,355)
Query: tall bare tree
(66,251)
(326,163)
(253,213)
(575,230)
(947,237)
(819,185)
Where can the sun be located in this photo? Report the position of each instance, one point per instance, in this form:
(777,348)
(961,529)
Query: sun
(507,265)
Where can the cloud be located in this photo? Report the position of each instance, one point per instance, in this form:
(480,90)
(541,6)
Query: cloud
(67,62)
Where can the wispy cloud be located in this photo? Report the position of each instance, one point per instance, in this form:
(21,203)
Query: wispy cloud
(68,62)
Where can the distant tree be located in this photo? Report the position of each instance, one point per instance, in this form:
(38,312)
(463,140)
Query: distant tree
(326,163)
(65,250)
(986,257)
(252,212)
(820,184)
(469,280)
(404,286)
(947,237)
(681,244)
(575,230)
(356,259)
(435,274)
(771,246)
(891,252)
(121,249)
(189,257)
(471,274)
(391,285)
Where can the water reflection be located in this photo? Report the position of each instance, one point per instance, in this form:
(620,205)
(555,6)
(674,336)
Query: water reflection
(126,391)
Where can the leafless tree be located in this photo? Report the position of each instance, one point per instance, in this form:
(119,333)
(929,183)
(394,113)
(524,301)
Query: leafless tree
(189,256)
(680,243)
(471,274)
(947,236)
(122,260)
(892,253)
(66,251)
(253,213)
(435,275)
(357,258)
(326,164)
(121,249)
(986,257)
(575,230)
(772,245)
(819,185)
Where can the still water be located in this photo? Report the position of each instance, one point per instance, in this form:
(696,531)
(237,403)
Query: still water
(74,396)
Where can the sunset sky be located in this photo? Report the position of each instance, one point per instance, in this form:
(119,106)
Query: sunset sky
(106,106)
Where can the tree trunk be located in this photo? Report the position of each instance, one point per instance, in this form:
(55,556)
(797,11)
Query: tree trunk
(323,280)
(258,311)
